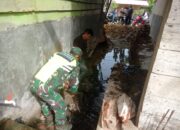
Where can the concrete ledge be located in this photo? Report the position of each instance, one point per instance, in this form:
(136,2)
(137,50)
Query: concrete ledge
(155,26)
(167,63)
(162,93)
(8,21)
(170,41)
(45,5)
(150,121)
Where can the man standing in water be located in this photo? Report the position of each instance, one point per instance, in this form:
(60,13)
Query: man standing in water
(84,40)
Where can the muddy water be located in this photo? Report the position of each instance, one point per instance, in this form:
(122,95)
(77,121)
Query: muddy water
(116,55)
(92,89)
(135,59)
(94,84)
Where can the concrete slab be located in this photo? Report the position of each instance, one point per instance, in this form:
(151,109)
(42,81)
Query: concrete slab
(170,41)
(162,94)
(164,86)
(172,28)
(162,90)
(167,63)
(174,15)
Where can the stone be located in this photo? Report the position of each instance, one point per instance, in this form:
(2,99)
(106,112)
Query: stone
(8,124)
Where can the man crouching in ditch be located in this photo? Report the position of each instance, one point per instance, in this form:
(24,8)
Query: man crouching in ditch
(60,73)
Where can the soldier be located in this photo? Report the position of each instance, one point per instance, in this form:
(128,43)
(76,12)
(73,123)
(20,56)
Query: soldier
(61,72)
(88,42)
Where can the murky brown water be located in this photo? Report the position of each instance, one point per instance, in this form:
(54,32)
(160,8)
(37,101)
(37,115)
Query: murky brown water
(134,60)
(92,89)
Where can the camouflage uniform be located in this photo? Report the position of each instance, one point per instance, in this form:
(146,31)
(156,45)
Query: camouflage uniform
(60,71)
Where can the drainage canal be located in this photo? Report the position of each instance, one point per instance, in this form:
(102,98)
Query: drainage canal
(132,53)
(130,50)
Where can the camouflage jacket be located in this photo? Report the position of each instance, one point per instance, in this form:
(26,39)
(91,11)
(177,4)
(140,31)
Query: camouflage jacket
(61,70)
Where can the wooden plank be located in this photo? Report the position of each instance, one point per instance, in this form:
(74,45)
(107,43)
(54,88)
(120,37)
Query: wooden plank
(167,63)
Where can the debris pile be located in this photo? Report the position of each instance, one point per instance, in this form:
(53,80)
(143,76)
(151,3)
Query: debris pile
(118,108)
(117,31)
(128,33)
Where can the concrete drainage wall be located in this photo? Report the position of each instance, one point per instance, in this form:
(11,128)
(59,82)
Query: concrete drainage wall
(160,104)
(30,32)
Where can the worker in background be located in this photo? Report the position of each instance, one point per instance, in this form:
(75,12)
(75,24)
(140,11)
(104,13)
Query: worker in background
(87,42)
(83,40)
(129,15)
(121,15)
(61,72)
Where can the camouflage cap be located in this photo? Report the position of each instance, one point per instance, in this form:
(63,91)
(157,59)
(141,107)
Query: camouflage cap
(76,51)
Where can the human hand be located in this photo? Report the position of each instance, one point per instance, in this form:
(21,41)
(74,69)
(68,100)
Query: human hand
(66,85)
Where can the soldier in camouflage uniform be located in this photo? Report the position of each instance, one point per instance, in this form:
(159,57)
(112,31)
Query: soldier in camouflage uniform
(61,72)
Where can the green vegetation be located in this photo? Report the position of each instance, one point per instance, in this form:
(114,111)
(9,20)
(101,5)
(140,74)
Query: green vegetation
(138,12)
(151,4)
(113,5)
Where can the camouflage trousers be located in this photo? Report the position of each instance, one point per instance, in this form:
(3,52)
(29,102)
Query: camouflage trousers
(51,101)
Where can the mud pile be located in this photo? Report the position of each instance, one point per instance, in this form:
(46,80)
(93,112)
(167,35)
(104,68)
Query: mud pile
(118,108)
(127,79)
(129,33)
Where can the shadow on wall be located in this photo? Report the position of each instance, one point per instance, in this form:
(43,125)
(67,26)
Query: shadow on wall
(89,17)
(53,35)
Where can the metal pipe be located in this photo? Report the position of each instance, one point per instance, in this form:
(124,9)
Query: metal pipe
(8,103)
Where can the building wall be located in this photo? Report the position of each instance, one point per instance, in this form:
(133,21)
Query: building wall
(157,17)
(30,32)
(160,102)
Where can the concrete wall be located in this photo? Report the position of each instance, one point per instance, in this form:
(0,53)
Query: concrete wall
(30,32)
(158,15)
(160,104)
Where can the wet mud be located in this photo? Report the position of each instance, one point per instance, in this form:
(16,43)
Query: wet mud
(129,49)
(91,91)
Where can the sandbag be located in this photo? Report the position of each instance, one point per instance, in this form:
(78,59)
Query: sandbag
(126,107)
(108,119)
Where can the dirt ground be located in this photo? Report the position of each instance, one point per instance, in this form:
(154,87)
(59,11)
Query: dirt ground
(129,50)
